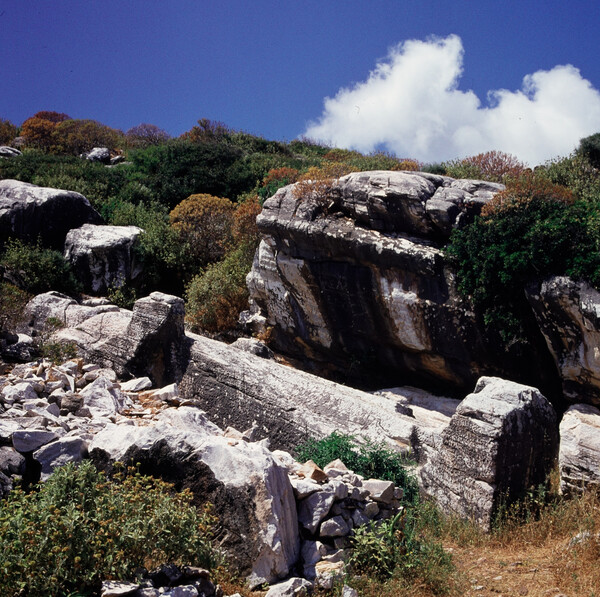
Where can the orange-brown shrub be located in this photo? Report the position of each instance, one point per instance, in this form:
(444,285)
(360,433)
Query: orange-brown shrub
(524,189)
(277,175)
(205,225)
(244,227)
(207,130)
(408,164)
(77,136)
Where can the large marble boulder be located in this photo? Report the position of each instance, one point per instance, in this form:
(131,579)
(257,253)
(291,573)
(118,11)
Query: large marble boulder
(501,441)
(104,257)
(148,341)
(29,212)
(568,313)
(251,492)
(579,455)
(98,154)
(359,284)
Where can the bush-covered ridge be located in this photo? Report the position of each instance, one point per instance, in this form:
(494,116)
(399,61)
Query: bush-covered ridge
(531,231)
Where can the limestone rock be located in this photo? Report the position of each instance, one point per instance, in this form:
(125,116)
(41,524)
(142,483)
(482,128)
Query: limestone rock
(8,152)
(501,440)
(104,257)
(59,453)
(28,212)
(313,509)
(28,440)
(98,154)
(294,587)
(568,314)
(365,282)
(251,492)
(59,306)
(381,491)
(579,454)
(149,341)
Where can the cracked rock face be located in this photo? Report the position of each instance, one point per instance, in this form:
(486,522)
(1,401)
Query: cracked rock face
(568,313)
(362,289)
(501,440)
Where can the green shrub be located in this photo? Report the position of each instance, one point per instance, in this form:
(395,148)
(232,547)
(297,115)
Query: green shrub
(216,297)
(80,528)
(589,148)
(12,303)
(36,270)
(160,249)
(391,549)
(371,460)
(527,233)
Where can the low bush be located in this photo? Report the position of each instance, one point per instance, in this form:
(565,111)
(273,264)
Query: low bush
(215,298)
(204,223)
(530,231)
(12,303)
(35,269)
(495,166)
(371,460)
(80,528)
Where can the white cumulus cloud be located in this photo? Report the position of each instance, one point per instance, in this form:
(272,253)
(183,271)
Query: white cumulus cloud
(411,105)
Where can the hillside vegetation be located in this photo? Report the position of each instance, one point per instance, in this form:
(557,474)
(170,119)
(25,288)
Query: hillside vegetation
(197,197)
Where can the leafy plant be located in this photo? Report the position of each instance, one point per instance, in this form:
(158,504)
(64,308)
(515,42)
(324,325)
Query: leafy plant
(370,459)
(391,548)
(215,298)
(35,269)
(495,166)
(12,303)
(531,230)
(79,528)
(204,224)
(589,148)
(8,131)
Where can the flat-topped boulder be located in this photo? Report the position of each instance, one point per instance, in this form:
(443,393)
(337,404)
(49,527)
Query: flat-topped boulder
(104,257)
(29,212)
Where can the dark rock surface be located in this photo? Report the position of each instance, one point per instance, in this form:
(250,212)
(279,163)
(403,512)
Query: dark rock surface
(28,212)
(361,287)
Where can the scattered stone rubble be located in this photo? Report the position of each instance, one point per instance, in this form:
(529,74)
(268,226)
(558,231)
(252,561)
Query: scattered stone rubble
(51,415)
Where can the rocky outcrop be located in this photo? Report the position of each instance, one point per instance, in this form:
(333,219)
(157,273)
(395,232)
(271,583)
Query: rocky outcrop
(275,514)
(98,154)
(104,257)
(251,492)
(579,456)
(357,283)
(29,212)
(501,441)
(568,314)
(148,341)
(498,441)
(8,152)
(52,415)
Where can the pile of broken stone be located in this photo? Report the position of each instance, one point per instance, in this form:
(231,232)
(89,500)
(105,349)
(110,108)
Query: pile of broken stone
(51,415)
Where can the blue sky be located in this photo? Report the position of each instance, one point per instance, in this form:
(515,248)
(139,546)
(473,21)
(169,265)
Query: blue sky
(266,67)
